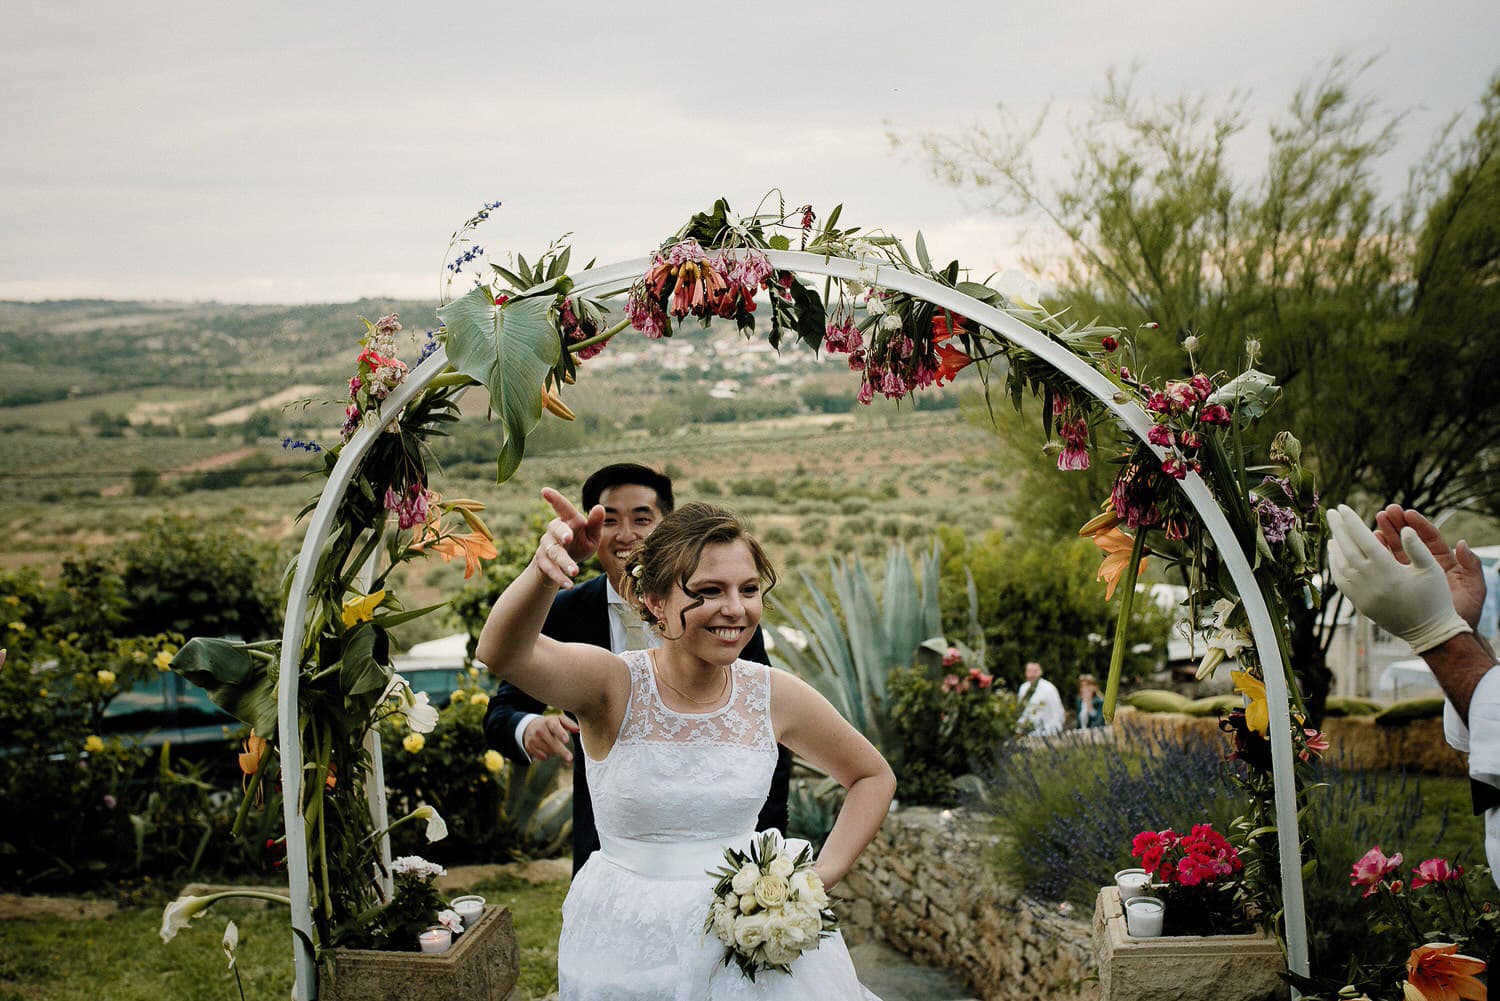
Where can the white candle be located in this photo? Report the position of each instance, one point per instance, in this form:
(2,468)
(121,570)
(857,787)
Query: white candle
(435,941)
(1132,883)
(1143,917)
(470,908)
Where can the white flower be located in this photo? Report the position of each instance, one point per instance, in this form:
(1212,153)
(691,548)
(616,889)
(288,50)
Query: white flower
(1222,610)
(1231,641)
(875,306)
(778,955)
(724,917)
(178,913)
(809,888)
(1190,343)
(450,920)
(744,880)
(231,942)
(415,865)
(747,903)
(420,716)
(750,931)
(1019,289)
(890,321)
(437,828)
(770,890)
(780,866)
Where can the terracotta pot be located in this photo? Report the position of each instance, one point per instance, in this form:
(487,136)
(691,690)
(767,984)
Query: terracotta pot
(482,965)
(1222,967)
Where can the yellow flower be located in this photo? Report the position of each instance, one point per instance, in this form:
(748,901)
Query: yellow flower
(493,762)
(18,627)
(456,699)
(12,599)
(361,608)
(479,699)
(42,692)
(163,660)
(1258,712)
(414,742)
(93,744)
(106,678)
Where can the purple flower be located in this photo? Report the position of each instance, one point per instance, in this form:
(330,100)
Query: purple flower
(1275,520)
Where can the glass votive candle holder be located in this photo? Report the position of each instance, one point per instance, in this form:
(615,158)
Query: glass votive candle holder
(1132,883)
(1143,917)
(435,941)
(470,908)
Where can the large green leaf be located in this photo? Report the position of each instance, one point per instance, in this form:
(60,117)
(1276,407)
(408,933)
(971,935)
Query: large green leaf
(366,665)
(509,350)
(241,685)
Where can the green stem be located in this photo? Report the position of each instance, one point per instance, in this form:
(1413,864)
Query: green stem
(448,379)
(244,810)
(599,338)
(1122,623)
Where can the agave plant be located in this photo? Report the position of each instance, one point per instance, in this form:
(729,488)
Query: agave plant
(538,808)
(846,650)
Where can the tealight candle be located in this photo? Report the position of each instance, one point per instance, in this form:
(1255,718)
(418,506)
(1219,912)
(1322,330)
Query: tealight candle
(1132,883)
(470,908)
(1143,917)
(435,941)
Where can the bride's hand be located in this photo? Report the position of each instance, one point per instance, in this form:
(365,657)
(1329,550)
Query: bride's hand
(569,537)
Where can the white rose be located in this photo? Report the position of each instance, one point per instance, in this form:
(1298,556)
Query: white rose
(781,866)
(770,890)
(806,917)
(724,920)
(731,901)
(778,955)
(750,932)
(747,903)
(744,880)
(809,888)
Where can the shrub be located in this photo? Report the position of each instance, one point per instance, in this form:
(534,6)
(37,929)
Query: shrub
(945,727)
(778,535)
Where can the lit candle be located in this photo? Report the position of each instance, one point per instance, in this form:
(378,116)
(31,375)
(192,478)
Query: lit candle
(435,940)
(1143,917)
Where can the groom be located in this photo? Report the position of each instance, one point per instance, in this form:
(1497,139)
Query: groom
(635,498)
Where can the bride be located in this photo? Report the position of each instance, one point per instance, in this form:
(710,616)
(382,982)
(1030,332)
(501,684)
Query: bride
(679,743)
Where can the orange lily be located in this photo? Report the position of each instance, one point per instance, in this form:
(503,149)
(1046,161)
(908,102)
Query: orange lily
(1435,972)
(255,751)
(472,547)
(1116,545)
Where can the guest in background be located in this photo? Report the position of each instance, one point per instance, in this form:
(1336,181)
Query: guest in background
(1090,705)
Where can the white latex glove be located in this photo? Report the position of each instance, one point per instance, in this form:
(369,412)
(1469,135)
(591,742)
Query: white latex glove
(1412,601)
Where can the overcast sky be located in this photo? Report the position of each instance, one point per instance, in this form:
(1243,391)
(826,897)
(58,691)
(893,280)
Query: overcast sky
(293,152)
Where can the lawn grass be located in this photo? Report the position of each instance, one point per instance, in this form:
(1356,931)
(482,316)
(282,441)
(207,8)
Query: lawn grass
(122,958)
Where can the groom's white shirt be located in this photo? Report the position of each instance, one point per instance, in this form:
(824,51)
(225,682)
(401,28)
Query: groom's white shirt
(1044,708)
(618,609)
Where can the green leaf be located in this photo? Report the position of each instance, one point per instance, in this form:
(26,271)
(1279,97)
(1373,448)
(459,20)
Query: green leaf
(779,242)
(833,217)
(242,686)
(366,663)
(810,320)
(1252,393)
(396,618)
(922,257)
(510,351)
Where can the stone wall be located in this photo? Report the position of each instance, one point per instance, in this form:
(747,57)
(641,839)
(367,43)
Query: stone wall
(927,886)
(1354,741)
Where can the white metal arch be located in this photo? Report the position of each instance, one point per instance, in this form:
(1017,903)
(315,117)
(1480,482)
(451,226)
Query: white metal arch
(618,277)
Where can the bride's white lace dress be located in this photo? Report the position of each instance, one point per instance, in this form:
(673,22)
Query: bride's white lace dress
(674,790)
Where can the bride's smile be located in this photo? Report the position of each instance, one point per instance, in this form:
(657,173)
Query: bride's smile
(707,625)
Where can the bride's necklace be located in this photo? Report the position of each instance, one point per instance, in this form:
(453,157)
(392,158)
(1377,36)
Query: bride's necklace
(656,669)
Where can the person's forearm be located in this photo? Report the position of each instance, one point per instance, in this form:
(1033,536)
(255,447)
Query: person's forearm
(1458,664)
(510,632)
(865,806)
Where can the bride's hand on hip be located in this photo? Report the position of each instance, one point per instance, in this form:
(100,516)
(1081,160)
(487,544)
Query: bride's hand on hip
(569,538)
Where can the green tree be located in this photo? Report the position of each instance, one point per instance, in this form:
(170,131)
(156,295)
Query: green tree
(1377,315)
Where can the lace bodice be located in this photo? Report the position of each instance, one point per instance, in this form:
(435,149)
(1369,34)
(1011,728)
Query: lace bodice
(675,776)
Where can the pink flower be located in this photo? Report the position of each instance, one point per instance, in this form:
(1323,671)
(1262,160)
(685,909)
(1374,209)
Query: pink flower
(951,656)
(354,384)
(985,680)
(1202,386)
(1370,870)
(1215,414)
(1434,870)
(866,393)
(388,324)
(950,682)
(1316,743)
(1073,458)
(1161,435)
(645,315)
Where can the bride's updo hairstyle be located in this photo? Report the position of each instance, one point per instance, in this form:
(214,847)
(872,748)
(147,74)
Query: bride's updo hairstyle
(670,555)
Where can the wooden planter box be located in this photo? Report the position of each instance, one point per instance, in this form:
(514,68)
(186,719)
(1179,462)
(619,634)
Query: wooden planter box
(482,965)
(1217,967)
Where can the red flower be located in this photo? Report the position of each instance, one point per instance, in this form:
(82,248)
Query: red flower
(1161,435)
(951,361)
(1215,414)
(502,299)
(1109,344)
(1434,870)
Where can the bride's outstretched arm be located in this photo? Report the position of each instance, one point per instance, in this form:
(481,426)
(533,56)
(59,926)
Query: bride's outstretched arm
(573,676)
(810,727)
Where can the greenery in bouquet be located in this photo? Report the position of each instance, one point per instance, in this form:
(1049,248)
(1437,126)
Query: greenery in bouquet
(769,907)
(414,907)
(1194,874)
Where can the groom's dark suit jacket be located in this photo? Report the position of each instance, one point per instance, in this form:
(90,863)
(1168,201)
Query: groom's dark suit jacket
(581,615)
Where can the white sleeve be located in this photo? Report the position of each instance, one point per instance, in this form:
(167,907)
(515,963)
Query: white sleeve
(521,733)
(1483,729)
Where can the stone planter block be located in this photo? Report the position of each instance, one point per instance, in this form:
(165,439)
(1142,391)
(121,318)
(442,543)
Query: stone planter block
(1220,967)
(482,965)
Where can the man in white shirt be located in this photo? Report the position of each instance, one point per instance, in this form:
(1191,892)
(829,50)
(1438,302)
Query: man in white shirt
(1043,715)
(1407,581)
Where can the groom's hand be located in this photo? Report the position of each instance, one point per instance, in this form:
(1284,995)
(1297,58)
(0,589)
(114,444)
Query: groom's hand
(569,537)
(1462,568)
(548,736)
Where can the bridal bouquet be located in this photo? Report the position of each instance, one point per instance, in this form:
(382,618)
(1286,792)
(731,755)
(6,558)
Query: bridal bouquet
(769,907)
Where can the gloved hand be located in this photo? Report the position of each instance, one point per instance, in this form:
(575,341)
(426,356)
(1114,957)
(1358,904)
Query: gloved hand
(1412,602)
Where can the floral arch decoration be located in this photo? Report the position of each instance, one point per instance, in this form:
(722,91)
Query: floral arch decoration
(525,331)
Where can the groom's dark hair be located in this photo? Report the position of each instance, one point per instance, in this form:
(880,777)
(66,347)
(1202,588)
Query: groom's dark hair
(628,474)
